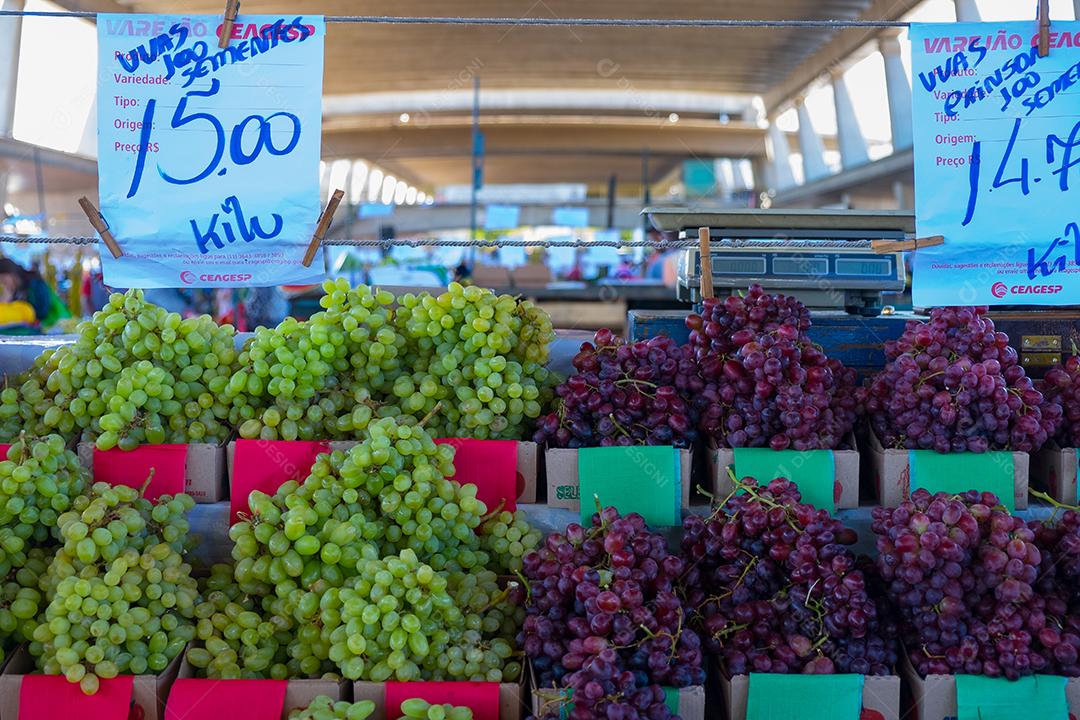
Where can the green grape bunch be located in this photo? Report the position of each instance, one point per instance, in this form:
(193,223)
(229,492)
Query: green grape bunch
(508,537)
(418,709)
(135,374)
(311,379)
(371,568)
(38,480)
(120,599)
(323,708)
(485,354)
(21,596)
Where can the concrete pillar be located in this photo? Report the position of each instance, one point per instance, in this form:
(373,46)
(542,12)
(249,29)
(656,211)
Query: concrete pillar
(1076,9)
(967,11)
(813,152)
(10,39)
(781,177)
(896,83)
(848,133)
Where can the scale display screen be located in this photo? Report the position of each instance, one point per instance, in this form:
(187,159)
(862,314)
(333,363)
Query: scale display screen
(864,267)
(738,266)
(800,266)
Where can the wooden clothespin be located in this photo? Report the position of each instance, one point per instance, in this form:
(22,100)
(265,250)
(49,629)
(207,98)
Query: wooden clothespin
(98,221)
(705,263)
(232,9)
(885,247)
(1044,28)
(324,225)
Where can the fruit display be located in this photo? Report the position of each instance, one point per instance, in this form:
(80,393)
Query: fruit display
(1062,385)
(764,383)
(954,385)
(136,374)
(118,595)
(773,587)
(979,590)
(323,708)
(605,620)
(481,357)
(624,394)
(371,568)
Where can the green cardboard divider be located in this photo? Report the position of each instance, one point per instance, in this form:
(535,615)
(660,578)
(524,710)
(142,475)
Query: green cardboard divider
(814,471)
(639,478)
(804,697)
(959,472)
(985,698)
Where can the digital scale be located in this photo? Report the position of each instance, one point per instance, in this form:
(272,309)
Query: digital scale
(824,258)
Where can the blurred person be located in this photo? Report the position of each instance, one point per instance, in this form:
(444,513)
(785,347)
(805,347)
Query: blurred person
(20,288)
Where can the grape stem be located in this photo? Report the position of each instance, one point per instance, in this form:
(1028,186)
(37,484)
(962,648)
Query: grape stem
(146,484)
(431,414)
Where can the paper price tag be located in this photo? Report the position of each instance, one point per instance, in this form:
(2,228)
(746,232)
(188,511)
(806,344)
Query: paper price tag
(209,158)
(52,696)
(482,697)
(266,465)
(997,134)
(491,465)
(192,699)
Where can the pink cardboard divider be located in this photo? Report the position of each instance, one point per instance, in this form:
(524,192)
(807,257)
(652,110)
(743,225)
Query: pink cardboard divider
(132,467)
(192,699)
(52,696)
(482,697)
(491,465)
(266,465)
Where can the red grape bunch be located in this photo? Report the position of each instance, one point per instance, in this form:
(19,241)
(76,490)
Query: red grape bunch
(1062,385)
(624,394)
(970,583)
(954,385)
(765,382)
(776,589)
(605,620)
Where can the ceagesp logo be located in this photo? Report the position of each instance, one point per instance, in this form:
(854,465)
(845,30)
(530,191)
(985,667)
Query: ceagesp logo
(187,277)
(1000,290)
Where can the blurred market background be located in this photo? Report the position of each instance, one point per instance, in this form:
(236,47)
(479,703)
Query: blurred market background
(522,133)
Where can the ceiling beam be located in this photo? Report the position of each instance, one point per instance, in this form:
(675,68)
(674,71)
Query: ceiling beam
(842,45)
(707,139)
(425,102)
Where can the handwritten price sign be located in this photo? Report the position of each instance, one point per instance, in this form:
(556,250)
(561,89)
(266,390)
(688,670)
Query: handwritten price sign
(208,159)
(997,145)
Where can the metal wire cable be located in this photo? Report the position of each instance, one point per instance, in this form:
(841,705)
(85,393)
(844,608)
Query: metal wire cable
(543,22)
(431,242)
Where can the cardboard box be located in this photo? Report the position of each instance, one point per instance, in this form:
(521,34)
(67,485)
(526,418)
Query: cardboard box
(1053,469)
(204,474)
(846,487)
(298,693)
(527,465)
(880,698)
(511,699)
(531,276)
(934,697)
(892,476)
(148,691)
(490,276)
(691,700)
(562,477)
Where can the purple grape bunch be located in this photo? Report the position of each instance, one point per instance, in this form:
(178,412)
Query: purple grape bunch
(775,588)
(605,619)
(624,394)
(979,591)
(1062,385)
(765,382)
(953,384)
